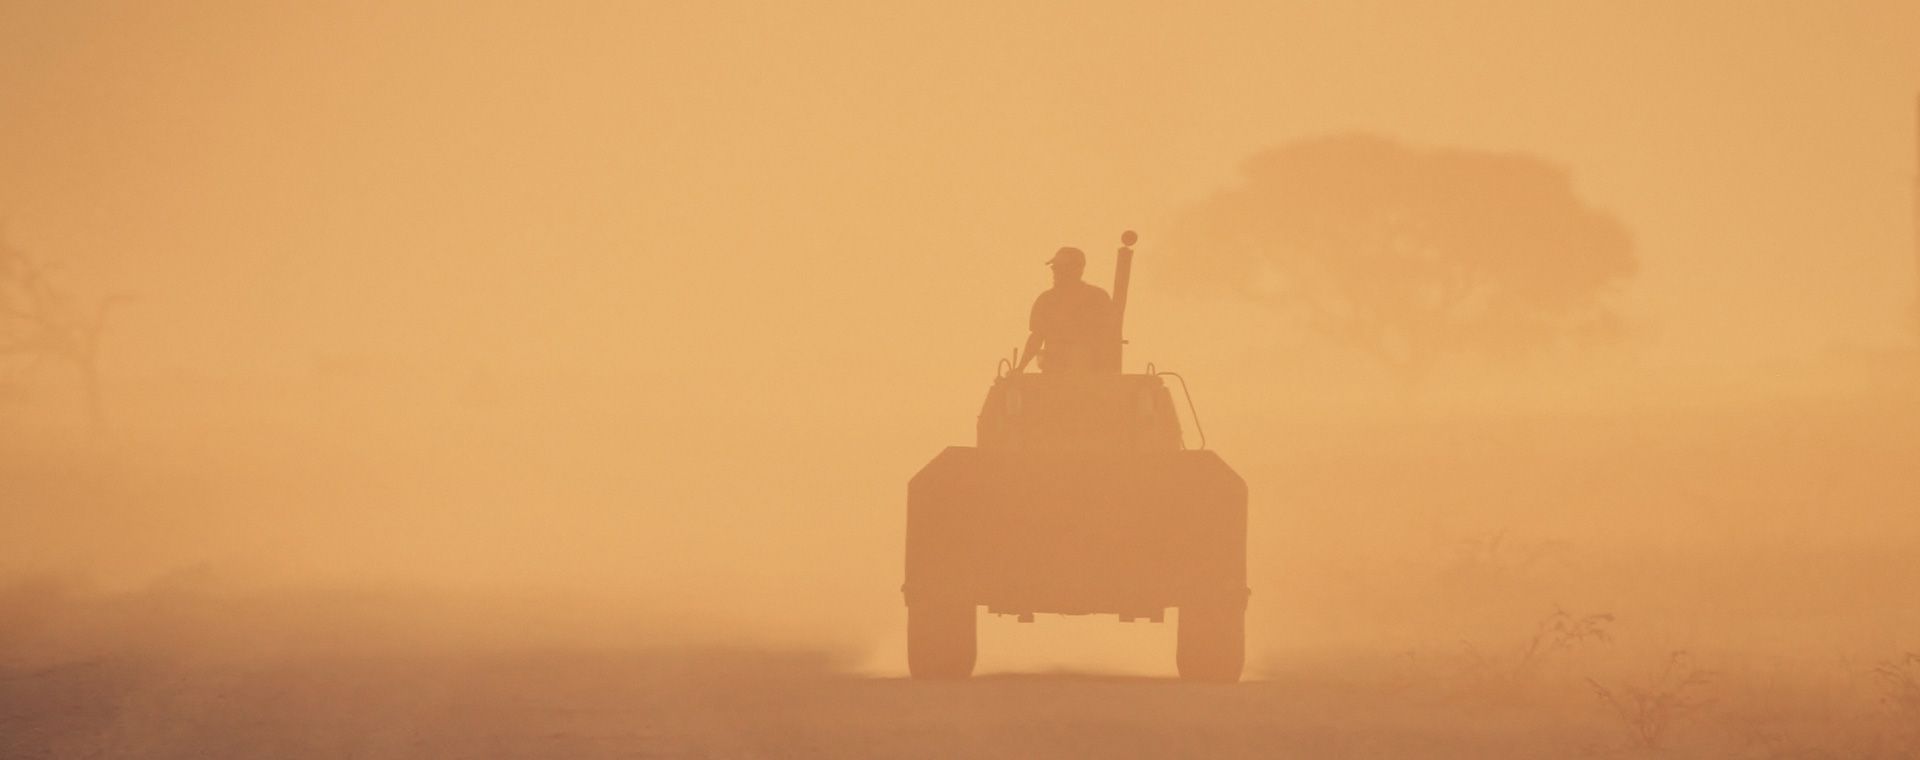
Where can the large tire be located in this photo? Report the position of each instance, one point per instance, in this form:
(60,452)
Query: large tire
(942,639)
(1212,642)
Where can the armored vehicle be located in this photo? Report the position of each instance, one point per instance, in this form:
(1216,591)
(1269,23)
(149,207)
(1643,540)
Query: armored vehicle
(1079,497)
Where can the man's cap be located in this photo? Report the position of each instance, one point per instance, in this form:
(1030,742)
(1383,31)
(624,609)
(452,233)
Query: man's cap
(1068,256)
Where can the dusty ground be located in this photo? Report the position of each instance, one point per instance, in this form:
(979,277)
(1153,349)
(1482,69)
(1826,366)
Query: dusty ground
(1775,549)
(719,704)
(709,705)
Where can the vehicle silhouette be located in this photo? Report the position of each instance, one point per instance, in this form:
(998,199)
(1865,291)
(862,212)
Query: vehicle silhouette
(1079,497)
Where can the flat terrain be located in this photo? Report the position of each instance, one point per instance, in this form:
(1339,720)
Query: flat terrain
(708,705)
(736,704)
(1465,571)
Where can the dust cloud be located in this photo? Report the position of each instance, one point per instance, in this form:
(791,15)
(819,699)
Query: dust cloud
(489,365)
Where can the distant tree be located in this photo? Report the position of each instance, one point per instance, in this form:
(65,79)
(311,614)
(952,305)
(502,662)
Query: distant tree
(1412,254)
(40,321)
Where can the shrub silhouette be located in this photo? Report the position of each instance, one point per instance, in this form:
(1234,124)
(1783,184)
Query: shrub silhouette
(42,321)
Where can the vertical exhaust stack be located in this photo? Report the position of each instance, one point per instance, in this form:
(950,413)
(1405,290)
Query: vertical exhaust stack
(1122,276)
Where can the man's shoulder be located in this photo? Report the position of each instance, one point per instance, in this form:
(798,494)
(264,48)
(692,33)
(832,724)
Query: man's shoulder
(1076,293)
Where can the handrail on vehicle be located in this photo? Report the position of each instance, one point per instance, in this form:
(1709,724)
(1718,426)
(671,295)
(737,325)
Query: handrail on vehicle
(1192,411)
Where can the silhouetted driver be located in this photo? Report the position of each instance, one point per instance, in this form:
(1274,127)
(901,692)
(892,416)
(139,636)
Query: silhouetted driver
(1070,322)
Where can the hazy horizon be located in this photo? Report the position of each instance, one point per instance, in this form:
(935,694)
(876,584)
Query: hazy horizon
(598,325)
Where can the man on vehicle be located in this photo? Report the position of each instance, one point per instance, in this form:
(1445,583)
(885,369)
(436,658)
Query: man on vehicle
(1071,322)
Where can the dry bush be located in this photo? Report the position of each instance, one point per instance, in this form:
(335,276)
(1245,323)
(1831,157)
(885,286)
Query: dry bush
(42,321)
(1555,638)
(1900,693)
(1648,713)
(1820,713)
(1513,673)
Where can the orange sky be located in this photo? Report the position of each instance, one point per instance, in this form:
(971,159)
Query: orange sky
(520,186)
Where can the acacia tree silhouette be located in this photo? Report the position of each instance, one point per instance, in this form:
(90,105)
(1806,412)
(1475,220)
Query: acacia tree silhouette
(1410,254)
(41,321)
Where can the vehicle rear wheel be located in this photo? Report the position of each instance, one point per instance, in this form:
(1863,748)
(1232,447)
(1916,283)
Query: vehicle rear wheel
(1212,642)
(942,638)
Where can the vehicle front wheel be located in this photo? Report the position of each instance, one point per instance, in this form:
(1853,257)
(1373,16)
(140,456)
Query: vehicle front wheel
(1212,642)
(942,639)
